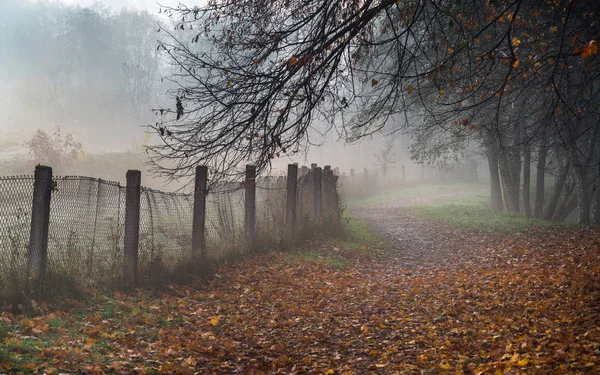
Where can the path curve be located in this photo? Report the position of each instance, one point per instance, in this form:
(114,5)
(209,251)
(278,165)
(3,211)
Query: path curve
(422,244)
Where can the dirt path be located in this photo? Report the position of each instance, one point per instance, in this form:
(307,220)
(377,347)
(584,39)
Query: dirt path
(448,301)
(422,244)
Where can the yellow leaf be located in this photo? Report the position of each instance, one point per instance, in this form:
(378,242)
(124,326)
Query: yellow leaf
(445,366)
(228,83)
(410,88)
(331,371)
(442,92)
(522,362)
(215,320)
(516,41)
(516,64)
(537,64)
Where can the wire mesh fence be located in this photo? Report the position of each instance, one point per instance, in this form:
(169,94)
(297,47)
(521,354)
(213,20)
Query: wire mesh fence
(16,195)
(85,248)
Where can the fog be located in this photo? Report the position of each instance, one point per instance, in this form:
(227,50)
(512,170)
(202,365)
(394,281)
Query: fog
(92,70)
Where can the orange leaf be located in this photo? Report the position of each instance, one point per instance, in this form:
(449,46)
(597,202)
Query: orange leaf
(588,49)
(293,60)
(374,82)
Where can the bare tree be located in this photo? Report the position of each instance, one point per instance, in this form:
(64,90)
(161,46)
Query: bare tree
(253,76)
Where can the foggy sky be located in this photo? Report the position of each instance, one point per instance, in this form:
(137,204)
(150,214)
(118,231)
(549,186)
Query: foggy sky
(150,5)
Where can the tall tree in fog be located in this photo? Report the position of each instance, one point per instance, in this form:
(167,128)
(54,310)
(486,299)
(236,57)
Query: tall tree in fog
(87,68)
(136,37)
(506,74)
(274,66)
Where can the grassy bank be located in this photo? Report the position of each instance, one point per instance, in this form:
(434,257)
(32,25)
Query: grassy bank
(473,212)
(461,205)
(412,192)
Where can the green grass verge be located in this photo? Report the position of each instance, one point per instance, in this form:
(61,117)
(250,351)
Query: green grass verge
(358,240)
(410,192)
(473,212)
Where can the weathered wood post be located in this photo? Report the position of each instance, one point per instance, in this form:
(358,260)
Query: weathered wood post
(317,194)
(326,192)
(40,221)
(132,227)
(313,166)
(199,220)
(290,206)
(250,206)
(303,171)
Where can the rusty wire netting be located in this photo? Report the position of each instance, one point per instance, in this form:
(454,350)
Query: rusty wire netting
(85,238)
(270,208)
(165,227)
(16,194)
(87,226)
(224,219)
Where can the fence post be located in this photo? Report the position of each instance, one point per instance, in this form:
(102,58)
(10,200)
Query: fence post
(250,206)
(290,206)
(199,220)
(317,194)
(303,171)
(132,227)
(326,191)
(40,220)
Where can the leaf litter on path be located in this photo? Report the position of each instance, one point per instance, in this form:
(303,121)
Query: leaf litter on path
(460,303)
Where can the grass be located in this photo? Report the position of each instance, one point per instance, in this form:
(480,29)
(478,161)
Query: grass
(464,205)
(473,212)
(358,240)
(410,192)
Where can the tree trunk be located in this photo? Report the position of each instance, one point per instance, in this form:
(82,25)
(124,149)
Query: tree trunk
(569,207)
(495,188)
(541,175)
(584,196)
(584,174)
(558,187)
(564,201)
(596,218)
(510,182)
(526,175)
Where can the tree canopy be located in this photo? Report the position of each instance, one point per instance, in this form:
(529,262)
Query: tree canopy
(253,77)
